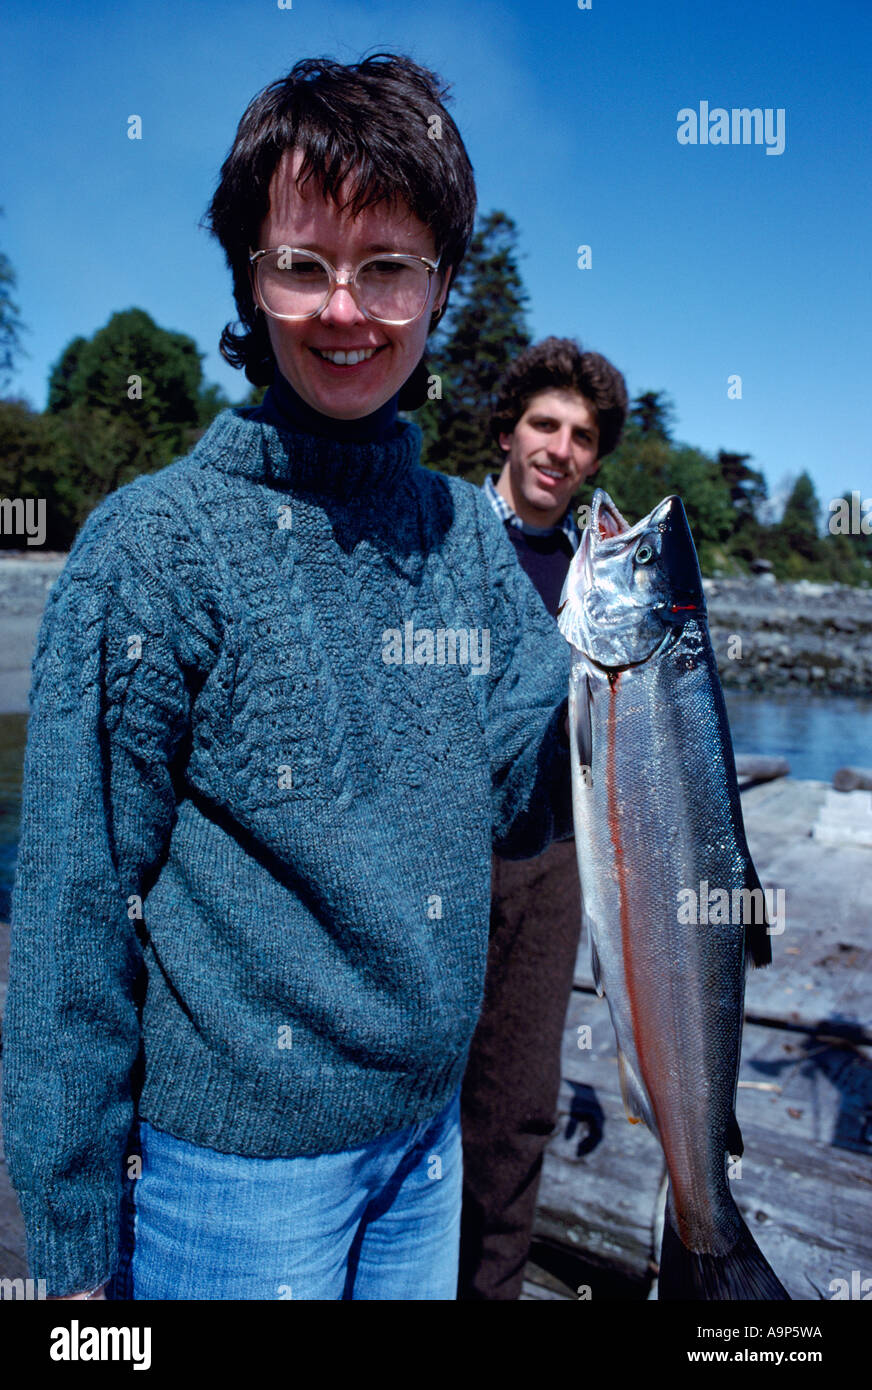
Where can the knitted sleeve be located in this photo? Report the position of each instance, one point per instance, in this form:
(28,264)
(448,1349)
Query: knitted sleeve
(527,704)
(109,705)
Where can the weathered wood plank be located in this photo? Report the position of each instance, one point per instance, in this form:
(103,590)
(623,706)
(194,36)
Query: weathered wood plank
(601,1176)
(541,1292)
(805,1183)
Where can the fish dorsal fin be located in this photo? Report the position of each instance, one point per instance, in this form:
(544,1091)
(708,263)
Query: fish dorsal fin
(635,1103)
(758,943)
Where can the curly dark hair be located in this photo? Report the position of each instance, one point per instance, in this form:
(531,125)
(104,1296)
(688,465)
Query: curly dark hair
(381,119)
(558,364)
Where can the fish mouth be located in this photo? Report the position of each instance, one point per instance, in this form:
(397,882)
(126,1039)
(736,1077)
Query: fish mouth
(606,520)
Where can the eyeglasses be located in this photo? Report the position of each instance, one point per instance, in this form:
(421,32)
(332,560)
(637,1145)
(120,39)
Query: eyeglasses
(294,284)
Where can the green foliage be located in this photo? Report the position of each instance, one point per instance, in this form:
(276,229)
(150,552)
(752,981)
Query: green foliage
(799,526)
(484,329)
(653,412)
(60,394)
(799,550)
(848,553)
(29,449)
(133,370)
(124,402)
(747,486)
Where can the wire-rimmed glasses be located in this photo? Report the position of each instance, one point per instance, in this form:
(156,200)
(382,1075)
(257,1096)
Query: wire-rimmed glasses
(292,283)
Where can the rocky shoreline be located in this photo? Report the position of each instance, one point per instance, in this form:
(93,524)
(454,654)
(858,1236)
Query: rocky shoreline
(767,636)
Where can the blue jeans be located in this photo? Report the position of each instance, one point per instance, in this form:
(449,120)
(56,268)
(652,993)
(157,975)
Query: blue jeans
(378,1222)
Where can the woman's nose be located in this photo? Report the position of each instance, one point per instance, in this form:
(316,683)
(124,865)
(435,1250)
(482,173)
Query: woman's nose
(342,308)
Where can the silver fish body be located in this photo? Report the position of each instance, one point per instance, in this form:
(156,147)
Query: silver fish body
(658,824)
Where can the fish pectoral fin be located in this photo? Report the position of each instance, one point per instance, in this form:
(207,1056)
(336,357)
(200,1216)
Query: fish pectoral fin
(635,1103)
(735,1142)
(758,942)
(580,738)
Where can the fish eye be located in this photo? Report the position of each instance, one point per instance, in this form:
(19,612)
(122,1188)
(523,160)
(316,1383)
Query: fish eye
(644,555)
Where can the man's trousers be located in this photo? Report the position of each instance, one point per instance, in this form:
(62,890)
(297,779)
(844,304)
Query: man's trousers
(512,1080)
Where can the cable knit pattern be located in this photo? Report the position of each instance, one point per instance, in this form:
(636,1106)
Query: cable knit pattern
(252,890)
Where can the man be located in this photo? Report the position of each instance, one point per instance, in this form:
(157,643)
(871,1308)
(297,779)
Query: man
(559,412)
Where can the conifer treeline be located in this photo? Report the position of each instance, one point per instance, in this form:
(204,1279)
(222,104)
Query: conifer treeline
(132,398)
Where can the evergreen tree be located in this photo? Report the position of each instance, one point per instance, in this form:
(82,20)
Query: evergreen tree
(133,369)
(748,493)
(29,444)
(60,395)
(848,552)
(747,486)
(11,326)
(483,331)
(798,529)
(129,400)
(653,412)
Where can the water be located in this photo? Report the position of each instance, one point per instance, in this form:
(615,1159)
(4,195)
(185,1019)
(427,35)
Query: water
(815,733)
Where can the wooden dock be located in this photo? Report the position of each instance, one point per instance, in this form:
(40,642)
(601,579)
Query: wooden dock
(805,1088)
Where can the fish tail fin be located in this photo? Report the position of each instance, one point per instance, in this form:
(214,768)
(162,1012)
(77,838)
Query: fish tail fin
(743,1273)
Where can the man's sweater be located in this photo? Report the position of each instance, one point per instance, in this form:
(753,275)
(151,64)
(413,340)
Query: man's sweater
(287,694)
(545,553)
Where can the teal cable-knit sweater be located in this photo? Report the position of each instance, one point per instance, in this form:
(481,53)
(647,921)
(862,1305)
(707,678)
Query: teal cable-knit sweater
(252,889)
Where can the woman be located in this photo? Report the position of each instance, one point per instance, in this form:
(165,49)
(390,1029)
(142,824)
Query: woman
(287,693)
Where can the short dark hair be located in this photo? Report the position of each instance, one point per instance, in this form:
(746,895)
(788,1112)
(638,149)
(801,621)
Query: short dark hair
(559,364)
(382,120)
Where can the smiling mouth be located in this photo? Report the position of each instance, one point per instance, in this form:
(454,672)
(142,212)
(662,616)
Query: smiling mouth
(549,472)
(346,357)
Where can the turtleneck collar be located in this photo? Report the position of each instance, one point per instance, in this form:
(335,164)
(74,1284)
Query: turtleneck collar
(242,441)
(285,408)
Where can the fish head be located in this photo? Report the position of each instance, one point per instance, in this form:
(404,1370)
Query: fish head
(630,587)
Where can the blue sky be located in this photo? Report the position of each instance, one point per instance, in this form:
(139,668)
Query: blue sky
(707,260)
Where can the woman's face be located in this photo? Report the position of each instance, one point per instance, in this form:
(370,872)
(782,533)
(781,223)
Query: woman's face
(307,220)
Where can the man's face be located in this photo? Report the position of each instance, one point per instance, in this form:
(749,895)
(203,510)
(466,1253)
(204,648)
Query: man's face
(308,221)
(552,448)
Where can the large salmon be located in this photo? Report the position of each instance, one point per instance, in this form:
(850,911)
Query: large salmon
(658,828)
